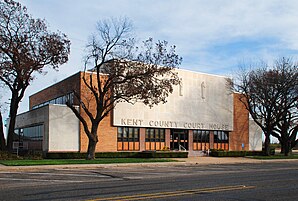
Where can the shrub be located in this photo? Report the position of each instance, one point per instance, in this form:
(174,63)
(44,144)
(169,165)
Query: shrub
(33,155)
(4,155)
(221,153)
(272,151)
(144,154)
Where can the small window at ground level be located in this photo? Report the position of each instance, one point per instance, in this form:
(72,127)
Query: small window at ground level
(128,139)
(201,140)
(221,140)
(32,136)
(154,139)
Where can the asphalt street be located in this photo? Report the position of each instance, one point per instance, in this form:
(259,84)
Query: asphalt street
(245,181)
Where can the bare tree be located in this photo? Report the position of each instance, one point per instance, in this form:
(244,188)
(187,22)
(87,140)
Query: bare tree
(286,74)
(26,47)
(269,96)
(123,71)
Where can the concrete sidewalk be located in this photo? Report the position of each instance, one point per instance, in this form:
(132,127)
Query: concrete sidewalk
(201,160)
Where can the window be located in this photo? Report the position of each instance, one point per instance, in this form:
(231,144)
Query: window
(32,135)
(59,100)
(221,140)
(155,139)
(201,140)
(128,139)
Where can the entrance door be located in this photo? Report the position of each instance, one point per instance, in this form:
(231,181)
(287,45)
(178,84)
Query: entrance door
(179,139)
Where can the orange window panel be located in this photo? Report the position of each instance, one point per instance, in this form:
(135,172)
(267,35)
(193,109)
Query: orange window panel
(137,146)
(125,146)
(119,146)
(130,147)
(207,146)
(162,145)
(157,146)
(195,146)
(215,145)
(153,146)
(199,146)
(147,145)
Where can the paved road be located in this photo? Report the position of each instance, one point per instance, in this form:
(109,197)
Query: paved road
(258,181)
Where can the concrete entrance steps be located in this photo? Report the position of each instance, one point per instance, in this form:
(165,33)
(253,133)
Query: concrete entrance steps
(196,153)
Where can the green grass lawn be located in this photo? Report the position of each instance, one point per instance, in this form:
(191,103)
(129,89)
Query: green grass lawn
(26,162)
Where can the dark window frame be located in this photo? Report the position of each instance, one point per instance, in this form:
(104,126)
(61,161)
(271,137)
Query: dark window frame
(154,136)
(201,137)
(221,138)
(128,134)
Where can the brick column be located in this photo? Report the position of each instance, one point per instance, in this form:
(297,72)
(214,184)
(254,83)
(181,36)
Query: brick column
(190,140)
(211,140)
(142,139)
(168,137)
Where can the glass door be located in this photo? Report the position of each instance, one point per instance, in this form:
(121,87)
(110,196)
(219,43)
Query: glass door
(179,140)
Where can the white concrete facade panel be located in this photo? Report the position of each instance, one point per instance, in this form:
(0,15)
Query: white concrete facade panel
(202,101)
(255,136)
(63,129)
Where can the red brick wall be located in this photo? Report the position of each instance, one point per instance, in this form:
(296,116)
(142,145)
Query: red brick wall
(142,139)
(61,88)
(107,135)
(240,134)
(168,138)
(190,140)
(211,140)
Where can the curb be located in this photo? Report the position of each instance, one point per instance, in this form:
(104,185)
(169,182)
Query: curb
(192,161)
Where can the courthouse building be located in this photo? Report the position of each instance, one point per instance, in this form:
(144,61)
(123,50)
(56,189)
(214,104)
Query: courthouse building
(199,115)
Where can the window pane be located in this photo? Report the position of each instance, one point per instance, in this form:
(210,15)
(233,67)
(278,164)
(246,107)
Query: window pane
(125,131)
(147,135)
(157,136)
(195,136)
(162,134)
(151,133)
(120,132)
(136,133)
(130,135)
(200,137)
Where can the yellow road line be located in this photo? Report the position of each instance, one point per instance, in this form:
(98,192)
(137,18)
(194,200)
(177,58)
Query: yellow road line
(174,193)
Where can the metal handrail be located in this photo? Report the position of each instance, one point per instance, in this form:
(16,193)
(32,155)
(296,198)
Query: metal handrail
(181,148)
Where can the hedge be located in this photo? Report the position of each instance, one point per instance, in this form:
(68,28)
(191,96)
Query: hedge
(221,153)
(144,154)
(4,155)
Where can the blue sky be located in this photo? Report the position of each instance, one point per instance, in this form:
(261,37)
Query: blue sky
(212,36)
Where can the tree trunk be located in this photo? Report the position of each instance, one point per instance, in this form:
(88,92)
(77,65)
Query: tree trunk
(93,139)
(282,148)
(267,145)
(282,142)
(12,120)
(287,147)
(285,142)
(91,149)
(2,139)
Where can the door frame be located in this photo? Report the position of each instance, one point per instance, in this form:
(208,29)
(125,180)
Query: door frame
(181,138)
